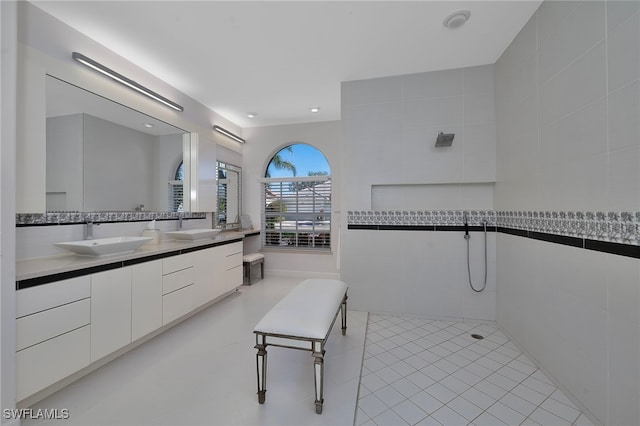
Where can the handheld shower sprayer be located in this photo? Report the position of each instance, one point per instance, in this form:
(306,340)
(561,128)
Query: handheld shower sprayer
(467,237)
(466,227)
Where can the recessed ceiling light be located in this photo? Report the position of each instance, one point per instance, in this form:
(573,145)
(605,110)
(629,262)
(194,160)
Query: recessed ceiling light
(315,109)
(251,114)
(148,125)
(456,19)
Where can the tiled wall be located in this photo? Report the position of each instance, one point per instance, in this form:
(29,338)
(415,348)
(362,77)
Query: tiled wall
(568,139)
(391,164)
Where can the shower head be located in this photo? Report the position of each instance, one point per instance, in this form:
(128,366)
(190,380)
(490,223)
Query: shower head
(444,139)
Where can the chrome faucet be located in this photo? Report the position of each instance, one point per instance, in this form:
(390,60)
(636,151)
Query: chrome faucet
(180,217)
(88,231)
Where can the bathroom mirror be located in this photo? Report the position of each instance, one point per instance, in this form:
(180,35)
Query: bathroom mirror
(104,156)
(229,196)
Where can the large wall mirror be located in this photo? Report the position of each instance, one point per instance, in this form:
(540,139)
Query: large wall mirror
(104,156)
(229,196)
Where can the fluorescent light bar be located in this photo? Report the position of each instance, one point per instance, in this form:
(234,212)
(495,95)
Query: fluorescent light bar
(228,134)
(124,80)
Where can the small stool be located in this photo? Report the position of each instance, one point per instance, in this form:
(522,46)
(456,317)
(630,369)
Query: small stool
(248,260)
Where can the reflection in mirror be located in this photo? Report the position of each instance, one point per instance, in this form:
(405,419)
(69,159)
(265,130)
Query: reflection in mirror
(229,196)
(104,156)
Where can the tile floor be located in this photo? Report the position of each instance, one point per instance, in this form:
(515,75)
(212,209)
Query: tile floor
(203,372)
(422,372)
(414,372)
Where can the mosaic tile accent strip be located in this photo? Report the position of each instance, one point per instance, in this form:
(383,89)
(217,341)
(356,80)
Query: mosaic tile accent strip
(74,217)
(614,227)
(422,218)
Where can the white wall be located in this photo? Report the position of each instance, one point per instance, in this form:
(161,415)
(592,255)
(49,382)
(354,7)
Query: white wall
(8,77)
(390,162)
(262,144)
(568,108)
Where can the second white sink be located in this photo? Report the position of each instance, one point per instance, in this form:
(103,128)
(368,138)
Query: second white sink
(193,234)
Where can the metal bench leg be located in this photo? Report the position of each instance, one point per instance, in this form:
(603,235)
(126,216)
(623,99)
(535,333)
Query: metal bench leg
(318,369)
(343,312)
(261,363)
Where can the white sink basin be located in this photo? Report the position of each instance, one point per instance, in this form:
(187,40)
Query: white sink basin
(104,246)
(193,234)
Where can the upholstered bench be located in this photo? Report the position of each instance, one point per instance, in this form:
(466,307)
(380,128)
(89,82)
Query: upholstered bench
(248,260)
(302,320)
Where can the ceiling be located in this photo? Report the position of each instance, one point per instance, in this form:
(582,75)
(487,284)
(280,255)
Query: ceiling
(279,58)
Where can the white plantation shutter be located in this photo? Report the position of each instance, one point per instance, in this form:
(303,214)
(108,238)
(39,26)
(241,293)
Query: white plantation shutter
(297,213)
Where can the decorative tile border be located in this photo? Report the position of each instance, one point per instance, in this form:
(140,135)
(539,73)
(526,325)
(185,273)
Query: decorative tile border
(615,227)
(609,232)
(422,218)
(70,218)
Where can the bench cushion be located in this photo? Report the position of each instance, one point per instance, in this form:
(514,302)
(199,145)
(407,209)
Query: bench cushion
(307,311)
(252,257)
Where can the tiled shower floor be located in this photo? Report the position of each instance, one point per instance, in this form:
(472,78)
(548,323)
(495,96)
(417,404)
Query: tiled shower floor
(422,372)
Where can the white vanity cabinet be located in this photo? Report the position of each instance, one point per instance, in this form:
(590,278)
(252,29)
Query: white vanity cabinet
(177,286)
(110,311)
(146,298)
(64,326)
(210,279)
(52,333)
(233,265)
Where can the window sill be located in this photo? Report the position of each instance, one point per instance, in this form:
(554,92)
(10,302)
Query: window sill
(295,250)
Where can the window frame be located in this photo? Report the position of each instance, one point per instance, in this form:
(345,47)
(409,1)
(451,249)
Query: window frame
(316,239)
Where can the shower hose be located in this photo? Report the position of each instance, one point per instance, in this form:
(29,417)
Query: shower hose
(468,237)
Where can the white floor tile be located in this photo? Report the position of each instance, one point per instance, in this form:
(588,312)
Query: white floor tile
(405,387)
(478,398)
(465,408)
(371,405)
(389,418)
(506,414)
(426,402)
(447,416)
(520,405)
(410,412)
(559,409)
(460,380)
(544,417)
(389,396)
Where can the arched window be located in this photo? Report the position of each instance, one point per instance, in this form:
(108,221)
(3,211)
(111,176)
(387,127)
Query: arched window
(297,199)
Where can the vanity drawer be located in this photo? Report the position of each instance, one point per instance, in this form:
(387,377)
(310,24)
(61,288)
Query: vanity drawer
(176,263)
(233,261)
(177,304)
(44,364)
(177,280)
(234,248)
(37,328)
(47,296)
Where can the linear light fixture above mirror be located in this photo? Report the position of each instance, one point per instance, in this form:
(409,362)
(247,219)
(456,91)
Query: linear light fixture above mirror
(96,66)
(228,134)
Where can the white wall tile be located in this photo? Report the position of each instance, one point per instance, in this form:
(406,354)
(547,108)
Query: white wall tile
(377,90)
(623,53)
(436,84)
(582,28)
(624,110)
(624,180)
(575,86)
(619,11)
(479,80)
